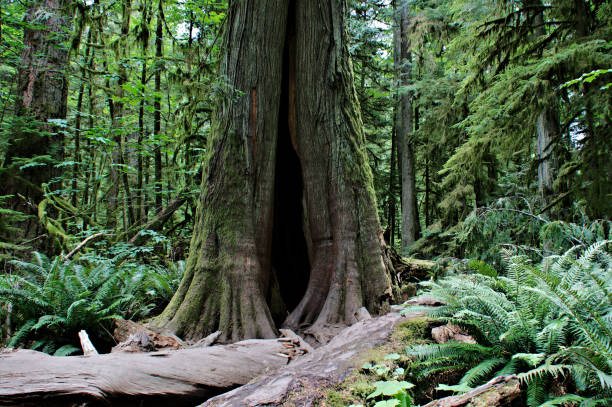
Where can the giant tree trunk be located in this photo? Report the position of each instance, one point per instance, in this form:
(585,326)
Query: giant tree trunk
(287,222)
(405,126)
(42,92)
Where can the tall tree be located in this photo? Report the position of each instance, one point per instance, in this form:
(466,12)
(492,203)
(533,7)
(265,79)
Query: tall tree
(287,221)
(42,92)
(159,32)
(405,128)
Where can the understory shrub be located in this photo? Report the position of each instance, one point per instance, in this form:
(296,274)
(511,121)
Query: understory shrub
(550,323)
(48,301)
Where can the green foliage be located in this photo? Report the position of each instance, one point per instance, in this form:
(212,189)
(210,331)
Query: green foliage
(543,321)
(51,299)
(394,389)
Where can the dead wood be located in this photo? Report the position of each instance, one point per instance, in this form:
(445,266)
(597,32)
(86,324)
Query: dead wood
(134,337)
(451,333)
(207,341)
(188,376)
(408,270)
(83,244)
(86,345)
(425,301)
(501,391)
(327,365)
(296,340)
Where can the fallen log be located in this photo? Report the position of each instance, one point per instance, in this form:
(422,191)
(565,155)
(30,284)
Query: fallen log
(177,377)
(500,391)
(327,365)
(409,269)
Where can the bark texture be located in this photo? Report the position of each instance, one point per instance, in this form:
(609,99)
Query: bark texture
(327,366)
(502,391)
(183,377)
(287,222)
(547,127)
(547,132)
(405,127)
(42,91)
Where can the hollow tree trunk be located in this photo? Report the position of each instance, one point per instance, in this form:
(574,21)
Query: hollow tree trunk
(287,219)
(42,92)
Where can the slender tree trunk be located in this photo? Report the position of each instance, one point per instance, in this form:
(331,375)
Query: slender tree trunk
(287,178)
(547,130)
(410,213)
(157,107)
(117,112)
(141,209)
(141,138)
(91,153)
(113,192)
(77,125)
(42,92)
(391,219)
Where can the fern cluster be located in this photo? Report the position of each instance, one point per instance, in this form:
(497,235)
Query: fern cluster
(547,322)
(48,300)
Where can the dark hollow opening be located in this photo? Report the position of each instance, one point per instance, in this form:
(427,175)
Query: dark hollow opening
(290,263)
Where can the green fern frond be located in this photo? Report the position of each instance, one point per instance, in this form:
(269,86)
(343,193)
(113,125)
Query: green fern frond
(49,321)
(537,391)
(76,311)
(481,372)
(22,333)
(543,371)
(24,296)
(66,350)
(459,352)
(531,359)
(563,401)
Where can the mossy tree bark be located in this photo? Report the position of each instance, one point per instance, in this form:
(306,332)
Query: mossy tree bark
(42,94)
(405,129)
(547,125)
(287,231)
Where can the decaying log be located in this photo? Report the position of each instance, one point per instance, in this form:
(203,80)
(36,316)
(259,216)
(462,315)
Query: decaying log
(451,333)
(296,339)
(425,301)
(409,270)
(207,341)
(329,364)
(362,314)
(134,337)
(500,391)
(189,376)
(86,345)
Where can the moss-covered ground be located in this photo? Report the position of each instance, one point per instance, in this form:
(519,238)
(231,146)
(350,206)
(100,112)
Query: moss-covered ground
(386,362)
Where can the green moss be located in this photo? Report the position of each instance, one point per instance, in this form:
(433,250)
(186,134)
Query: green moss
(362,387)
(336,399)
(412,331)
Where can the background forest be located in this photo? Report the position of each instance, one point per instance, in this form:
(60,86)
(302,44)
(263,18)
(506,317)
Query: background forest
(489,134)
